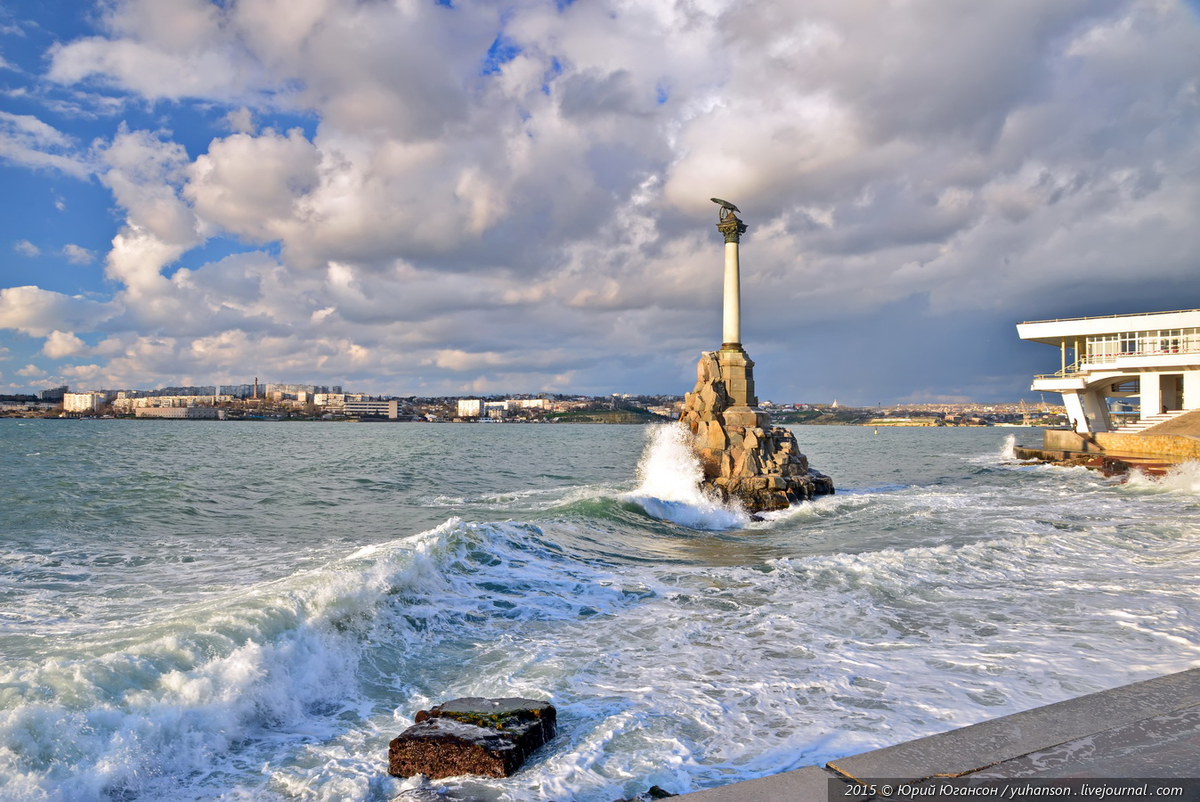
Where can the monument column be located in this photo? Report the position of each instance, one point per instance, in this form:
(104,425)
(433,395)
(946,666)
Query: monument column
(732,228)
(737,371)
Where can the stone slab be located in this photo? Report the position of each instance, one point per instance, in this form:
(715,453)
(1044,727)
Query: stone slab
(953,753)
(1162,746)
(1146,729)
(809,784)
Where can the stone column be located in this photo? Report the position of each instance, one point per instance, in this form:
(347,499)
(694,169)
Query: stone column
(737,371)
(732,228)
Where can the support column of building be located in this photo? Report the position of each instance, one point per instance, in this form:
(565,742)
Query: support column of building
(1191,390)
(1095,406)
(1075,414)
(1150,394)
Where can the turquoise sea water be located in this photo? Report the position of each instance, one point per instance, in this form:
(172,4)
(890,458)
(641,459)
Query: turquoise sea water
(251,611)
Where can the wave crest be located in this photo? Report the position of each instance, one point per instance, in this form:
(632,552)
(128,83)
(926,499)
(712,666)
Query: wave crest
(669,476)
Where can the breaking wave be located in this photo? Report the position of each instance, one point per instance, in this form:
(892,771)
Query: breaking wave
(669,476)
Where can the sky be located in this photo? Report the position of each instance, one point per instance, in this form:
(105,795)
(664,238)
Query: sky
(450,197)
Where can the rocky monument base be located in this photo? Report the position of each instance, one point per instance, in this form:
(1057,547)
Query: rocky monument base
(743,456)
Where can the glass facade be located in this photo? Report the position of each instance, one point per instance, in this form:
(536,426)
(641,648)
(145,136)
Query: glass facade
(1102,348)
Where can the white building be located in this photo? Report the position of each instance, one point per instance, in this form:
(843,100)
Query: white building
(190,413)
(1149,362)
(469,407)
(332,400)
(389,409)
(83,402)
(497,409)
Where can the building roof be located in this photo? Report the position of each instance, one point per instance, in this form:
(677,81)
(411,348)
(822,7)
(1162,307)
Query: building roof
(1052,332)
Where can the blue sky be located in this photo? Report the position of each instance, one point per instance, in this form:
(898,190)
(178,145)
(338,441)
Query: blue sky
(427,198)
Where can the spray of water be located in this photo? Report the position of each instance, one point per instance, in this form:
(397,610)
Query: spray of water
(669,476)
(1008,449)
(1183,478)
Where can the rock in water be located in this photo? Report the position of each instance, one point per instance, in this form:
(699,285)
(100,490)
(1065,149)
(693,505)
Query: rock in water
(492,737)
(743,456)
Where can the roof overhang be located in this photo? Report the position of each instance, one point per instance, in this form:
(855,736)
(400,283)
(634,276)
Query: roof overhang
(1055,332)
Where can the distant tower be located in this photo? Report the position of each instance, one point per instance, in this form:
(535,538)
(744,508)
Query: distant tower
(255,388)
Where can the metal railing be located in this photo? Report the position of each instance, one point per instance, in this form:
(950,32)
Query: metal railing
(1110,317)
(1069,372)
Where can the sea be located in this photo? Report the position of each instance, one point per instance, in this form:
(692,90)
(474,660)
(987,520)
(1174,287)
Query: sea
(207,610)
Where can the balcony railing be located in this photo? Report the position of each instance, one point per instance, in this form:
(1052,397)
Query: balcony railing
(1069,372)
(1110,317)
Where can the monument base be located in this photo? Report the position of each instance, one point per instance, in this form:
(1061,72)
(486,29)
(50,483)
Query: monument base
(743,456)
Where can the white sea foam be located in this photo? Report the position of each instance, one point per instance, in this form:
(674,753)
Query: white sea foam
(208,687)
(1181,478)
(669,476)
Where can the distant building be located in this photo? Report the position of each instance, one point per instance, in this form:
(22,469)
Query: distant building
(53,394)
(496,409)
(329,400)
(190,413)
(388,409)
(469,407)
(124,403)
(1106,362)
(83,402)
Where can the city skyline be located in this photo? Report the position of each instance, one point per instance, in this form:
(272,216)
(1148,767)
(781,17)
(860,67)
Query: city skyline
(454,198)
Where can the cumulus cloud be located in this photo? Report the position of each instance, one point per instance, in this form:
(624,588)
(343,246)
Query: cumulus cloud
(63,344)
(37,312)
(240,121)
(522,197)
(28,141)
(77,254)
(27,248)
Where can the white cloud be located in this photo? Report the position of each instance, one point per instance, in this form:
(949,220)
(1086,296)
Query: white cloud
(78,255)
(27,248)
(63,344)
(240,121)
(253,185)
(31,371)
(38,312)
(28,141)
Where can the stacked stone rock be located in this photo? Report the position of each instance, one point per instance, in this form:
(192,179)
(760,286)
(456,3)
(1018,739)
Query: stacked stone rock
(743,456)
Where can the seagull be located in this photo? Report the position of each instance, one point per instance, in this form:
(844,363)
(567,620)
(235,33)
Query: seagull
(724,204)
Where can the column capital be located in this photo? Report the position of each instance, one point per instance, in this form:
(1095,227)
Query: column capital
(732,228)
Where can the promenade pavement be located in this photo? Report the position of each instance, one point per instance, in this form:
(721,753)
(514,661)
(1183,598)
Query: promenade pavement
(1145,730)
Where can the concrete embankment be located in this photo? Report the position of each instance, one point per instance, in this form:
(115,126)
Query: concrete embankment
(1151,451)
(1145,730)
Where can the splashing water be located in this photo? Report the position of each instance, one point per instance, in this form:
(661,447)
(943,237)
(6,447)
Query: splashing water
(1008,450)
(669,474)
(1183,478)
